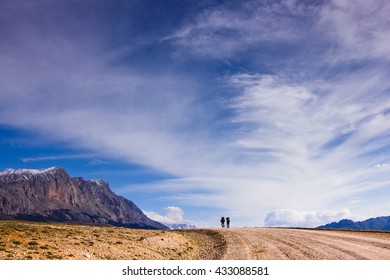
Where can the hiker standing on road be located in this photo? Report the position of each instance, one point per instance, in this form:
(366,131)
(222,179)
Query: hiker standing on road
(227,222)
(222,222)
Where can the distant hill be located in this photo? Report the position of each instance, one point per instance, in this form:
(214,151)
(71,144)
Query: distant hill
(52,195)
(379,223)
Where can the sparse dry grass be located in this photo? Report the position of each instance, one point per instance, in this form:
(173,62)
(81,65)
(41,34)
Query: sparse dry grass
(43,241)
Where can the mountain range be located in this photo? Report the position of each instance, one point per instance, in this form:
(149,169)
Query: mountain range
(181,226)
(52,195)
(379,223)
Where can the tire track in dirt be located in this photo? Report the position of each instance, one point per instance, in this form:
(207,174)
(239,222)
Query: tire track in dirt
(304,244)
(238,246)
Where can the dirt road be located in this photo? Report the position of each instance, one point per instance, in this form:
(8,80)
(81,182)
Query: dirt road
(301,244)
(42,241)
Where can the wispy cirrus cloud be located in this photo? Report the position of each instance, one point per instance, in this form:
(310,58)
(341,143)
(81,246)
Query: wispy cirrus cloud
(237,27)
(321,32)
(56,157)
(307,131)
(358,29)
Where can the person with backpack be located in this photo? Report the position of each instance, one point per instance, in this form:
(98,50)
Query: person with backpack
(227,222)
(222,221)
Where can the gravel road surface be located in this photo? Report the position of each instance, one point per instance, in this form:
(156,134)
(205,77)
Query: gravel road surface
(303,244)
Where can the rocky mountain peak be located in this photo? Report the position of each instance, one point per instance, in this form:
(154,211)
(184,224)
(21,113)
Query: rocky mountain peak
(12,175)
(52,195)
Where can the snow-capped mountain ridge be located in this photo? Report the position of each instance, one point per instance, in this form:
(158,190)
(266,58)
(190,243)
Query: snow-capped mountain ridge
(181,226)
(11,171)
(52,195)
(19,175)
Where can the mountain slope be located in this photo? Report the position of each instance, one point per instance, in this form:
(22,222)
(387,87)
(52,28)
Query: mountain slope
(379,223)
(52,195)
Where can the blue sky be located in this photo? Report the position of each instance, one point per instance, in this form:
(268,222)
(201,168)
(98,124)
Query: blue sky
(275,113)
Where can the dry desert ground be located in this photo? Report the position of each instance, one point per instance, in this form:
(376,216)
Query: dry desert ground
(29,240)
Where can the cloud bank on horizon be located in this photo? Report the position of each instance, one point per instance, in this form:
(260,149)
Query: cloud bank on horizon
(274,112)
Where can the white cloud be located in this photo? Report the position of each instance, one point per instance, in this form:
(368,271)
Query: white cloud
(315,34)
(293,218)
(172,215)
(234,28)
(114,113)
(57,157)
(301,130)
(359,28)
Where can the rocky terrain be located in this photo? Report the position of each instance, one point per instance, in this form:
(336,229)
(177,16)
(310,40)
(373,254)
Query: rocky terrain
(43,241)
(46,241)
(52,195)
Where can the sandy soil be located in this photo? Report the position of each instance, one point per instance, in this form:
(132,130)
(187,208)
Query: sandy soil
(302,244)
(25,240)
(42,241)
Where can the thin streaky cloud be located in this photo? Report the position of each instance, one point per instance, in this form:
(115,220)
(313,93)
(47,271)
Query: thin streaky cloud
(59,157)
